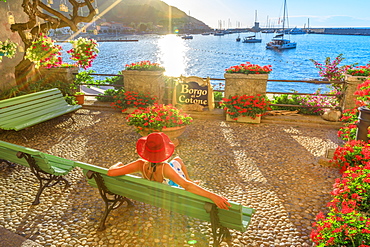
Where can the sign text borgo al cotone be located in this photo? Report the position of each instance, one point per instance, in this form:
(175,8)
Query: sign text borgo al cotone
(192,93)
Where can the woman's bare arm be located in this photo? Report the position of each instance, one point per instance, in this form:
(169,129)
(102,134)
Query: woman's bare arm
(120,169)
(170,173)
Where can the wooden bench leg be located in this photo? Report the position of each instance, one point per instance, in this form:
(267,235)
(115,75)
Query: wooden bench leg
(111,200)
(219,232)
(42,176)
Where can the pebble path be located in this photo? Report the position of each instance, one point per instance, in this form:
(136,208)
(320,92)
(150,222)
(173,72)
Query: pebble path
(272,168)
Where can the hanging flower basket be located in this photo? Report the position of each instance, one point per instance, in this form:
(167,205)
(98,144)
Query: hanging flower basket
(8,49)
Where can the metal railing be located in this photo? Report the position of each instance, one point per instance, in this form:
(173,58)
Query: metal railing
(339,95)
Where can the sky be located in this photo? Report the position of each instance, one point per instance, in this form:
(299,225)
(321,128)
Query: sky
(301,13)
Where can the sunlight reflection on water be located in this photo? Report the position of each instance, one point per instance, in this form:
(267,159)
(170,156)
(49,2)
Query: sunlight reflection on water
(172,54)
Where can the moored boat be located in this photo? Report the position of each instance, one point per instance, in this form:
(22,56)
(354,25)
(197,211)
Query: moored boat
(251,39)
(278,42)
(187,36)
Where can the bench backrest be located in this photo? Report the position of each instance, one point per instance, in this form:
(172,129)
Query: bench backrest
(26,108)
(48,163)
(171,198)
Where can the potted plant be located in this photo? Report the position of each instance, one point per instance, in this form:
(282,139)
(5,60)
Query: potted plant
(246,78)
(145,76)
(160,118)
(359,71)
(80,97)
(8,49)
(128,101)
(144,66)
(245,108)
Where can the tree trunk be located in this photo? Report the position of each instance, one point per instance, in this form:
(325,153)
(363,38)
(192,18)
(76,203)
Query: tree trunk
(25,73)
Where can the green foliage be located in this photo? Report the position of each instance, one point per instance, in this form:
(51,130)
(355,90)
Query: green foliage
(70,99)
(110,93)
(287,100)
(83,77)
(218,98)
(36,87)
(312,104)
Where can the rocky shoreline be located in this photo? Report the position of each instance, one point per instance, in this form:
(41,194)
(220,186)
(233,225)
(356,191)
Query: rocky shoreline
(273,168)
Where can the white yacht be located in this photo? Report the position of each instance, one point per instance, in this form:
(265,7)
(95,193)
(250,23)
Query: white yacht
(278,42)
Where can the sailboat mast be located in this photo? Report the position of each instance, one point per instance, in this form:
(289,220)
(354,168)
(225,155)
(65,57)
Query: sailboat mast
(284,14)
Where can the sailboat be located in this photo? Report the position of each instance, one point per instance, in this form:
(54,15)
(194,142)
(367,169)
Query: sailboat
(251,39)
(278,42)
(256,28)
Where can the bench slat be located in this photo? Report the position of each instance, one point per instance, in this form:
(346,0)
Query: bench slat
(28,97)
(35,112)
(30,112)
(39,119)
(24,108)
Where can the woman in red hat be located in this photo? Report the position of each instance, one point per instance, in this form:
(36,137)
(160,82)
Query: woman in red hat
(155,149)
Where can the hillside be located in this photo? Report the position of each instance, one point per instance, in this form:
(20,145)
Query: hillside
(156,12)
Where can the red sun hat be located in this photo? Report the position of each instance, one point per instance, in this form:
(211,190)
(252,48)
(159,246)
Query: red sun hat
(155,148)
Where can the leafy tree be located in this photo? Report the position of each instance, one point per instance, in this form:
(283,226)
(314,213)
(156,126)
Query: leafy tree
(50,18)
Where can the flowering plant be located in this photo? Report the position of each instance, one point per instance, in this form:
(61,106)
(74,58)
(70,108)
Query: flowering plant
(44,52)
(158,117)
(347,223)
(84,51)
(244,105)
(313,103)
(8,48)
(144,66)
(350,119)
(352,154)
(348,228)
(248,68)
(360,71)
(331,69)
(124,100)
(363,93)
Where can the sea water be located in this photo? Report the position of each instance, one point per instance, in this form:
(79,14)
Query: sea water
(209,56)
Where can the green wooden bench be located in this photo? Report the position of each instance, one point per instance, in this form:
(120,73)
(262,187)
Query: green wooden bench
(164,196)
(27,110)
(48,169)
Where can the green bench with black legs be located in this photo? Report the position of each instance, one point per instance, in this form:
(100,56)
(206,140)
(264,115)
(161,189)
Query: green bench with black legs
(117,190)
(48,169)
(27,110)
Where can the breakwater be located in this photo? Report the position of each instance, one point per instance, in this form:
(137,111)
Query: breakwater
(341,31)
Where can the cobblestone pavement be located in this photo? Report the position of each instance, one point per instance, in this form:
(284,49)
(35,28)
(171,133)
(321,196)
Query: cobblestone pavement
(272,168)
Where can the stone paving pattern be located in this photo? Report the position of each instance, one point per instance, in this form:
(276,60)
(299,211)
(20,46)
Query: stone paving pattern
(272,168)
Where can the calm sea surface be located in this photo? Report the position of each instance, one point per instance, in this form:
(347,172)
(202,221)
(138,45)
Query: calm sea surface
(209,56)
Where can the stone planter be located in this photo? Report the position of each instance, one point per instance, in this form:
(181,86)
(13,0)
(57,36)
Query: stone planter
(172,133)
(248,84)
(242,119)
(145,82)
(351,84)
(65,75)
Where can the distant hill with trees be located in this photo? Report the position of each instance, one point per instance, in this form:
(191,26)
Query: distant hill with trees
(150,13)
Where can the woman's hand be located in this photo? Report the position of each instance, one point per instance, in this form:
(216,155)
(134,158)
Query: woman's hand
(221,202)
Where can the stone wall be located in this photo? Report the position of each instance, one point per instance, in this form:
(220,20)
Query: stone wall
(7,66)
(240,84)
